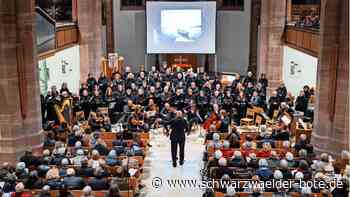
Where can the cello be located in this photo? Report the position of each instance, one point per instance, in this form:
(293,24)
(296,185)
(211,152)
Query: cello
(214,118)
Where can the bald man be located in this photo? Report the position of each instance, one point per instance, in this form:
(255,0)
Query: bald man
(178,127)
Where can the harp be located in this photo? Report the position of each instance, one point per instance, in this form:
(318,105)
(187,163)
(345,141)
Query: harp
(63,112)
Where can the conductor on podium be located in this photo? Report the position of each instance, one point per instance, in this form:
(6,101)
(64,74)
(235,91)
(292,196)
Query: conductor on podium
(178,127)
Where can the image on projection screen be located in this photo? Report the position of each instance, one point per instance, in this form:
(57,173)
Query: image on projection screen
(181,25)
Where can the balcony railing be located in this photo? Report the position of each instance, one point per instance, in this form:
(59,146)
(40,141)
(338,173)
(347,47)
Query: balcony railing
(66,35)
(303,39)
(53,36)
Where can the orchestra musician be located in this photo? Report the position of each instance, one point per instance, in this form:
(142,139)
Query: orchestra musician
(213,118)
(224,122)
(151,112)
(241,105)
(136,122)
(193,116)
(63,107)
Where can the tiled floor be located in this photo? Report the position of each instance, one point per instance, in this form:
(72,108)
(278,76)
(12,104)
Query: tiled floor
(158,166)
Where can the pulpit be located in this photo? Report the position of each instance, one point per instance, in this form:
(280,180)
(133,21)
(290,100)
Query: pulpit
(113,64)
(182,61)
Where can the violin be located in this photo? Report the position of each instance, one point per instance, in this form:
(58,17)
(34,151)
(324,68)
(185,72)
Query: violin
(136,122)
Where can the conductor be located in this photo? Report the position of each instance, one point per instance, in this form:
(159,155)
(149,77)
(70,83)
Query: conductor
(177,137)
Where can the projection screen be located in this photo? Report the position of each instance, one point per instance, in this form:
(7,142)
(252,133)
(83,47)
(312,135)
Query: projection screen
(181,27)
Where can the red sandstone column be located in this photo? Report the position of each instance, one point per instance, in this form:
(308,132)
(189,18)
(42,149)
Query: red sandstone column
(272,24)
(254,28)
(20,114)
(110,26)
(331,133)
(90,29)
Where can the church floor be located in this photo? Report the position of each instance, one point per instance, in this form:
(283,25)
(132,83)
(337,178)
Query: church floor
(158,165)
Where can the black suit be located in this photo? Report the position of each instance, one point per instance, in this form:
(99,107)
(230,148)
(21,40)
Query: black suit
(177,137)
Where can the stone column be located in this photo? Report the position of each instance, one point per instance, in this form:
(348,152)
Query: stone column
(20,114)
(110,26)
(331,132)
(289,10)
(254,29)
(272,22)
(90,34)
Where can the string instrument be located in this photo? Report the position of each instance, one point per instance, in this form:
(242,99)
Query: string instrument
(66,103)
(137,108)
(135,120)
(213,119)
(58,111)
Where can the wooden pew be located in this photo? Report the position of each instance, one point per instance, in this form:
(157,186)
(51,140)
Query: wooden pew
(211,150)
(79,193)
(265,194)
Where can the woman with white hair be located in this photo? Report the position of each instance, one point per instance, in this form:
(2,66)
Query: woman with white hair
(111,159)
(252,161)
(22,171)
(75,136)
(237,160)
(290,159)
(215,161)
(95,161)
(277,175)
(63,167)
(80,156)
(306,192)
(230,192)
(47,155)
(87,192)
(45,192)
(296,187)
(58,154)
(222,169)
(264,172)
(20,192)
(283,166)
(72,181)
(216,141)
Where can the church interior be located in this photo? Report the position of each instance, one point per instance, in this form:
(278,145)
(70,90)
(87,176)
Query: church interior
(154,98)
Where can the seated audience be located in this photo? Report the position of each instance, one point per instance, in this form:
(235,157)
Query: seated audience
(98,182)
(45,192)
(226,150)
(264,171)
(33,181)
(237,160)
(113,191)
(87,192)
(71,181)
(273,160)
(222,169)
(64,192)
(303,143)
(252,161)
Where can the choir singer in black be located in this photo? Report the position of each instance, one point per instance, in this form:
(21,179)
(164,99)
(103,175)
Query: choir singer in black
(178,127)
